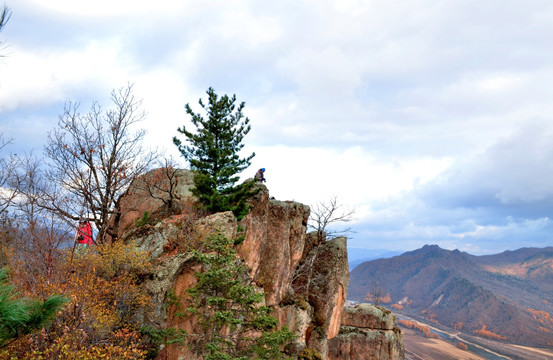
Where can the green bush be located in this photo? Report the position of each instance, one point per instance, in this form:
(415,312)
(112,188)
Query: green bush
(144,220)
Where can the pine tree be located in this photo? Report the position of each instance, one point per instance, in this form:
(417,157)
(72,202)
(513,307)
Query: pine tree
(228,306)
(213,152)
(21,316)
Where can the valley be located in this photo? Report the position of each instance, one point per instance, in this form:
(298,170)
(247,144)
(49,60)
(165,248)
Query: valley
(446,347)
(496,299)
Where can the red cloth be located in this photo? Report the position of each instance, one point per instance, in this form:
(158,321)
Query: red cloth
(84,233)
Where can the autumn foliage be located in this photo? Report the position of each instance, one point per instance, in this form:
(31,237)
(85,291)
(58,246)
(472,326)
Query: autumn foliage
(544,319)
(403,303)
(102,317)
(383,299)
(425,330)
(488,334)
(462,346)
(397,306)
(430,316)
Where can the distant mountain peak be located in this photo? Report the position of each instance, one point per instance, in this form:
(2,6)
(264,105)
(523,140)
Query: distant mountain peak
(502,291)
(426,249)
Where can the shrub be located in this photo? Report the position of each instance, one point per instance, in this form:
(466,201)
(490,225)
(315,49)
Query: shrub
(20,316)
(144,220)
(462,346)
(309,354)
(104,314)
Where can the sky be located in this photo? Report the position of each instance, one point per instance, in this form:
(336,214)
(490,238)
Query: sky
(432,120)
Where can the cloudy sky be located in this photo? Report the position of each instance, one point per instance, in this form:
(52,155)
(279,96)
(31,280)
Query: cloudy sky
(432,119)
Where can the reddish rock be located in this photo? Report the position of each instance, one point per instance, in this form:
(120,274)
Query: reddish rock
(364,344)
(368,333)
(186,279)
(274,243)
(304,280)
(223,222)
(137,201)
(297,319)
(326,289)
(166,271)
(369,317)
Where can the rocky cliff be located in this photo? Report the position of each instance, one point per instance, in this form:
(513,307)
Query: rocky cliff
(305,279)
(365,327)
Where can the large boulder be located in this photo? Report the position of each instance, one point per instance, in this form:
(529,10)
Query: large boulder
(369,317)
(364,344)
(182,231)
(175,273)
(368,333)
(148,192)
(168,268)
(166,272)
(325,283)
(275,233)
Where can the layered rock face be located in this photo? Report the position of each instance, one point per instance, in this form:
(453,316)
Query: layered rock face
(367,333)
(305,279)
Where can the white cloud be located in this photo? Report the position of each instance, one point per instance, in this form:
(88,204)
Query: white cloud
(103,8)
(254,29)
(327,74)
(40,78)
(518,169)
(498,82)
(375,102)
(312,175)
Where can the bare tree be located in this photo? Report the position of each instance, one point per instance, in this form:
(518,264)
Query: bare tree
(94,157)
(41,236)
(322,215)
(326,214)
(8,165)
(162,183)
(377,295)
(4,16)
(305,275)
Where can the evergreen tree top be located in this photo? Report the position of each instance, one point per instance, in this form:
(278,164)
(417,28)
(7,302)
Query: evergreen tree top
(212,149)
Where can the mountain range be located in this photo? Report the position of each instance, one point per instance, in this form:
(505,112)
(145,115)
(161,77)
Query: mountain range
(358,256)
(506,297)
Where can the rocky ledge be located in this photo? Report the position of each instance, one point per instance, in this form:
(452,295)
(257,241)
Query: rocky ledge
(367,332)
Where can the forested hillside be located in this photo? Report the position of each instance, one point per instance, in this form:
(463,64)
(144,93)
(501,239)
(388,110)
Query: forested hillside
(503,297)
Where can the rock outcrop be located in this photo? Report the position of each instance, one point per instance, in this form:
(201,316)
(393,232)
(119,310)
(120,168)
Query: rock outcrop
(367,333)
(274,243)
(146,194)
(323,281)
(304,278)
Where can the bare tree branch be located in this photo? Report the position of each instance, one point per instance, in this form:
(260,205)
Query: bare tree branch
(40,234)
(8,166)
(326,214)
(4,16)
(162,183)
(94,157)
